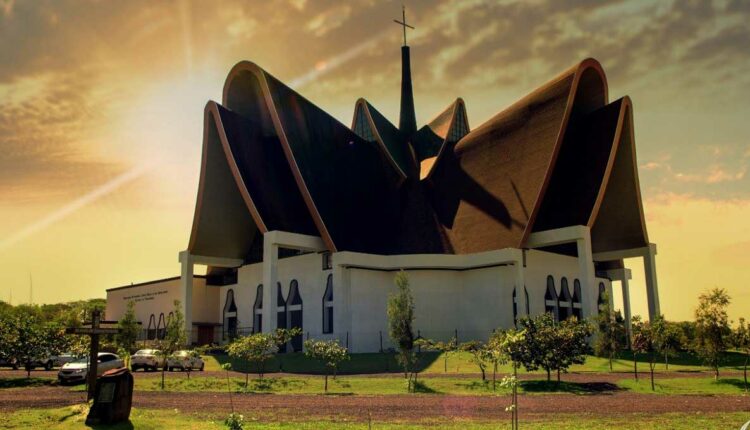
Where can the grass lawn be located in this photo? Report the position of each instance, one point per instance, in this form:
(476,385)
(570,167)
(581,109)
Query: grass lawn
(73,418)
(359,385)
(431,362)
(684,385)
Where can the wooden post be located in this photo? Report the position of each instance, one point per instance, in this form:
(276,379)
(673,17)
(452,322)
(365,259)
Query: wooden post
(93,354)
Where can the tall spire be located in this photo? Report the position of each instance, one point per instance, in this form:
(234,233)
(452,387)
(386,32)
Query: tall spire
(407,121)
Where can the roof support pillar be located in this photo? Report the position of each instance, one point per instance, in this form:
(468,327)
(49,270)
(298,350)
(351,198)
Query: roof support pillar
(623,276)
(186,291)
(270,279)
(648,253)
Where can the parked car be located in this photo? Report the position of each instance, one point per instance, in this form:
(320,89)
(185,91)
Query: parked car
(185,360)
(46,362)
(147,359)
(9,362)
(67,357)
(77,371)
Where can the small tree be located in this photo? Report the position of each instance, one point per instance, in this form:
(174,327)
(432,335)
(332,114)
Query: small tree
(572,344)
(553,346)
(479,355)
(668,341)
(329,352)
(511,343)
(400,320)
(28,339)
(712,328)
(446,349)
(175,337)
(496,352)
(741,340)
(283,336)
(639,341)
(611,335)
(128,334)
(257,348)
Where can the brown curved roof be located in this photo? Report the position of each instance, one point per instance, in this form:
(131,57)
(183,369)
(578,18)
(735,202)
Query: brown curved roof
(488,190)
(560,156)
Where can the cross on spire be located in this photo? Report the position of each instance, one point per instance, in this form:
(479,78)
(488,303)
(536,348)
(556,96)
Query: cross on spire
(403,22)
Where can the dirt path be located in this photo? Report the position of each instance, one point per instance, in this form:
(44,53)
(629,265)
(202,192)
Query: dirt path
(393,407)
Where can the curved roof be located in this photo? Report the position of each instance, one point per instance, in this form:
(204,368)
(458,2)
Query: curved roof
(560,156)
(489,189)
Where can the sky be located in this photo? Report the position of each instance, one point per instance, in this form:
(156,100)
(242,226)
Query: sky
(101,107)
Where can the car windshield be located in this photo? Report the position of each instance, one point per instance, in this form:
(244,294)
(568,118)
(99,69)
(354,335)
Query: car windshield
(81,360)
(146,352)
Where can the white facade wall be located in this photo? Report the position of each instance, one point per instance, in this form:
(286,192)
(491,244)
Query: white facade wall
(311,279)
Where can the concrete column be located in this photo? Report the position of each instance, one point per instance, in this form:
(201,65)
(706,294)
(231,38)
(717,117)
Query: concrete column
(520,282)
(652,288)
(626,303)
(270,278)
(186,291)
(589,289)
(342,304)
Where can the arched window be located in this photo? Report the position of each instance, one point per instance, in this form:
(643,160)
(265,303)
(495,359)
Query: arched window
(280,312)
(550,299)
(161,327)
(515,308)
(151,330)
(328,306)
(526,293)
(564,300)
(230,316)
(602,298)
(577,304)
(258,310)
(294,313)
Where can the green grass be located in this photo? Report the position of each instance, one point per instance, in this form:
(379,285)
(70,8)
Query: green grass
(684,385)
(74,417)
(25,382)
(431,362)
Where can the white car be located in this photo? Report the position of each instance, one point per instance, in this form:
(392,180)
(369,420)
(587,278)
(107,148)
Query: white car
(62,359)
(77,371)
(185,360)
(147,359)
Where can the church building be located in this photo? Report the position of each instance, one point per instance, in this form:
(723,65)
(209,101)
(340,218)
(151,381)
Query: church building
(303,221)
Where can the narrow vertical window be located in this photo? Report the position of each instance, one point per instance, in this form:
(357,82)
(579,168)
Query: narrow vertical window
(151,330)
(294,313)
(258,310)
(550,299)
(515,308)
(526,293)
(161,327)
(564,301)
(602,298)
(577,304)
(328,307)
(230,316)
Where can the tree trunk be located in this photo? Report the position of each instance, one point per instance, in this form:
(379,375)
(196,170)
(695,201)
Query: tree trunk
(558,375)
(716,372)
(325,388)
(247,376)
(549,378)
(445,361)
(635,367)
(666,359)
(747,357)
(494,376)
(484,375)
(652,365)
(610,363)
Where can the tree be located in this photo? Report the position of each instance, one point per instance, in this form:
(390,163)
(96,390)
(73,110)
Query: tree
(496,352)
(400,320)
(28,341)
(611,334)
(553,346)
(741,340)
(329,352)
(646,340)
(669,340)
(638,341)
(283,336)
(129,330)
(511,344)
(175,337)
(478,354)
(445,349)
(712,331)
(257,348)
